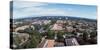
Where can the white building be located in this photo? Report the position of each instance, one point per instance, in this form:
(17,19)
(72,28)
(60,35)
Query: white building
(21,28)
(69,28)
(57,27)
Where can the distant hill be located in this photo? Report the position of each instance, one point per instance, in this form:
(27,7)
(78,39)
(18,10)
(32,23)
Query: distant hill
(56,18)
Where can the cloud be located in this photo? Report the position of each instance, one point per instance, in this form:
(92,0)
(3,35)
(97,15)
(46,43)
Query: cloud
(39,11)
(26,4)
(23,9)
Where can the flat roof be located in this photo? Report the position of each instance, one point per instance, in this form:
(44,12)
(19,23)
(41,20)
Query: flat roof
(71,42)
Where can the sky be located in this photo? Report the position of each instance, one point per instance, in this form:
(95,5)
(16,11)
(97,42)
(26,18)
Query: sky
(23,9)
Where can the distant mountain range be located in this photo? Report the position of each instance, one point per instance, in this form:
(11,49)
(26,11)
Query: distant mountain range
(56,18)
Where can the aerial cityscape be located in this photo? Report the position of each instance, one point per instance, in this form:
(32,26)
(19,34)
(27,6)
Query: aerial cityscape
(46,25)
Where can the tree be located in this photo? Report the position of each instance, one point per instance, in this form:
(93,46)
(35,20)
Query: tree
(29,31)
(60,35)
(52,22)
(46,26)
(93,34)
(34,40)
(85,36)
(50,34)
